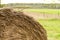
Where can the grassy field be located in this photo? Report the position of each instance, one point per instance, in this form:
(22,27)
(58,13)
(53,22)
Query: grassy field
(49,11)
(53,28)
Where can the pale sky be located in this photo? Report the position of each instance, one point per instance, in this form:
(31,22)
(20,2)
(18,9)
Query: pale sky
(29,1)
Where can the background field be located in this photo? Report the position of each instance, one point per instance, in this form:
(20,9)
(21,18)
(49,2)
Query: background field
(47,11)
(52,26)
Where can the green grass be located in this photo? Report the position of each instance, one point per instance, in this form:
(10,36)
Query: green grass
(52,27)
(49,11)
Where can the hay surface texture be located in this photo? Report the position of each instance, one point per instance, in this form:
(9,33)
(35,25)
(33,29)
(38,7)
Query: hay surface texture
(18,26)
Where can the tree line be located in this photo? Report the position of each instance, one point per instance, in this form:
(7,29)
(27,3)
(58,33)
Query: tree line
(32,5)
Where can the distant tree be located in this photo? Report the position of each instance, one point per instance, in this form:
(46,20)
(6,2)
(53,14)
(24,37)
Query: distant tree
(1,5)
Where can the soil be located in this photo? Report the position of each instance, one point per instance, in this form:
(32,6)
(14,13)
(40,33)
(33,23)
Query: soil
(18,26)
(37,15)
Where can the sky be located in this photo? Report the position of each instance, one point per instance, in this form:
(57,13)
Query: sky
(29,1)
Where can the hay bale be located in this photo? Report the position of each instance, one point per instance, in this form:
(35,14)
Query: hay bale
(18,26)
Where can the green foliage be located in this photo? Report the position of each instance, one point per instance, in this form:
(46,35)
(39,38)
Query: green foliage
(1,5)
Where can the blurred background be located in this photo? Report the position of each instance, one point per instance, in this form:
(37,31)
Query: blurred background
(46,12)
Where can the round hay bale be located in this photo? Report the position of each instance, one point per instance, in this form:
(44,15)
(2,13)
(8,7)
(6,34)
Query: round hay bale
(18,26)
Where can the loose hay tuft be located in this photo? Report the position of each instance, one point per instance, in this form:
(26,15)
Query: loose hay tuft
(18,26)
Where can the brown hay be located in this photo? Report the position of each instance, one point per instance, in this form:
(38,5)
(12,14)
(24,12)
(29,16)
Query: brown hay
(18,26)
